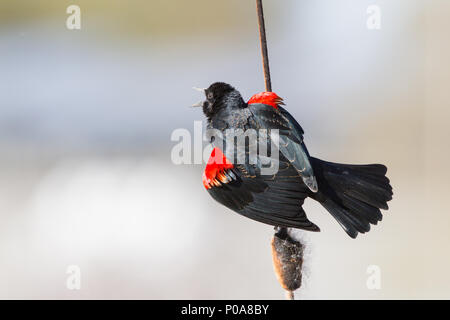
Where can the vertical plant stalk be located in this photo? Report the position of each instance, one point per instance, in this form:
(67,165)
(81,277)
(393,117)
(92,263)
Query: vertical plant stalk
(287,253)
(263,41)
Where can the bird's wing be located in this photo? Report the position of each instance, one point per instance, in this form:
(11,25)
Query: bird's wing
(290,138)
(275,200)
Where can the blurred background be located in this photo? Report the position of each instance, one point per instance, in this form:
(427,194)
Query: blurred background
(86,116)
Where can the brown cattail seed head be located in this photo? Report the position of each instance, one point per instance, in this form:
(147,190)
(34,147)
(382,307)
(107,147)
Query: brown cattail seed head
(287,255)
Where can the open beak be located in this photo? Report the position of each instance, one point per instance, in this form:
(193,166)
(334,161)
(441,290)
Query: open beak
(199,89)
(197,105)
(200,103)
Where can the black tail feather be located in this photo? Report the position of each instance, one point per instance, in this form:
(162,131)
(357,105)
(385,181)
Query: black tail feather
(353,194)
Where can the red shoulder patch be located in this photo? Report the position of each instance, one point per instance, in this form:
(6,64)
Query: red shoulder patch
(269,98)
(214,171)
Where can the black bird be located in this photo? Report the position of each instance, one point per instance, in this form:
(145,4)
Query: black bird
(352,194)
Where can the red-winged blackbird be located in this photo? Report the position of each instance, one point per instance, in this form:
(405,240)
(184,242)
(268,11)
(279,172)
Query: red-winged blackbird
(353,194)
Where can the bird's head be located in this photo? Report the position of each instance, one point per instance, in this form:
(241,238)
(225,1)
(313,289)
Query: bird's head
(219,95)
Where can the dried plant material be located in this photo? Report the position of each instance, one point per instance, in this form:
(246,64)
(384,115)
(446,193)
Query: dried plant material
(287,255)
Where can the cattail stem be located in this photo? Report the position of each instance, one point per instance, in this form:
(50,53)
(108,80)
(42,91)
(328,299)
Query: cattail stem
(286,252)
(290,295)
(263,41)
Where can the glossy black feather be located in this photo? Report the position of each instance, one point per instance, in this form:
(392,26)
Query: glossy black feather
(352,194)
(275,200)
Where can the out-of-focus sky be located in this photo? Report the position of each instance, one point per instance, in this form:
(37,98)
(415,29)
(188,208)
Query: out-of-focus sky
(86,117)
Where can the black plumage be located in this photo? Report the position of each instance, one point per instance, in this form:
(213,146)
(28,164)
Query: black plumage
(353,194)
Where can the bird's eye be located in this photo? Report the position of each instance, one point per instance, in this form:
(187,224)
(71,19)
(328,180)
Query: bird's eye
(210,95)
